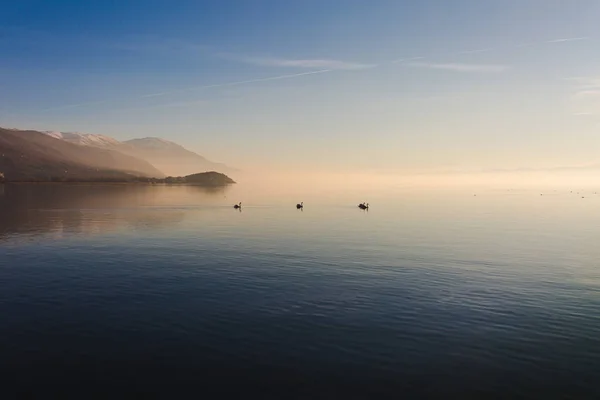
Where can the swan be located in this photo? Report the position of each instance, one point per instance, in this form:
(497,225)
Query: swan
(238,205)
(299,206)
(364,206)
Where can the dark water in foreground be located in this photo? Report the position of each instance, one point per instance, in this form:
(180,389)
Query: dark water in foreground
(161,289)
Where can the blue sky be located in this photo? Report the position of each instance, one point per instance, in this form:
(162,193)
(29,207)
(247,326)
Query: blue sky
(347,85)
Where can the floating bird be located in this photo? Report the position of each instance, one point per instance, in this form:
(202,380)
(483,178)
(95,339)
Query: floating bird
(300,206)
(238,205)
(364,206)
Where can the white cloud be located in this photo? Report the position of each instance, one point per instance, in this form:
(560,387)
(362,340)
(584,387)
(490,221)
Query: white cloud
(299,63)
(458,67)
(573,39)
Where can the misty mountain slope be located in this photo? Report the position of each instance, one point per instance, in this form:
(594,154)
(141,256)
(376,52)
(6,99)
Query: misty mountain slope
(31,155)
(170,157)
(167,156)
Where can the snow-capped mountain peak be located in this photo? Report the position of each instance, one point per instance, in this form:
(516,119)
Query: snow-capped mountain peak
(84,139)
(152,143)
(54,134)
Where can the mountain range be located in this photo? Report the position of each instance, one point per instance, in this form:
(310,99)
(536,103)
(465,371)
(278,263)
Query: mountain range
(33,155)
(169,157)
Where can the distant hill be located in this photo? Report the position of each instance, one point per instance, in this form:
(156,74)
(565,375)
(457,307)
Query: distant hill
(37,156)
(167,156)
(170,157)
(210,178)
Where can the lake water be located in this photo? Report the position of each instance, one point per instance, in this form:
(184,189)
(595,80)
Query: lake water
(153,289)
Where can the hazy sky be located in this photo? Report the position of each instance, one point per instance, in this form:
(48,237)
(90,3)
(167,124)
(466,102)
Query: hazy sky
(338,84)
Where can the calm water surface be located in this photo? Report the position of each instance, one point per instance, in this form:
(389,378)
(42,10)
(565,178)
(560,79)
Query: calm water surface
(430,293)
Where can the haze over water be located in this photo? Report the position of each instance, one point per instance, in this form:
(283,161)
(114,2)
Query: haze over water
(435,290)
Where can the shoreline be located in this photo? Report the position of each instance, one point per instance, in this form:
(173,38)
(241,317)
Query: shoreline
(114,183)
(204,179)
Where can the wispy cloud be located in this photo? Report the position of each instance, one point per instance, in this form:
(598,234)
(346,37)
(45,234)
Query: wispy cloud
(586,86)
(559,40)
(572,39)
(298,63)
(475,51)
(404,60)
(330,64)
(588,92)
(589,82)
(236,83)
(193,88)
(67,106)
(458,67)
(160,46)
(585,98)
(167,105)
